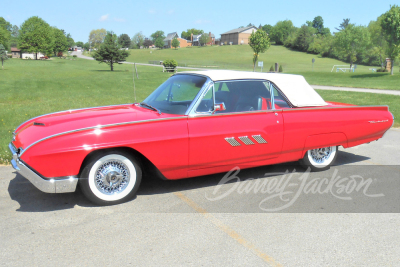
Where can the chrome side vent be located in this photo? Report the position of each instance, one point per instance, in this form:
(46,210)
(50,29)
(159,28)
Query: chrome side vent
(39,124)
(246,140)
(259,139)
(232,141)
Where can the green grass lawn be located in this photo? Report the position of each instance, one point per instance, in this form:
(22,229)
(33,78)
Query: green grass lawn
(30,88)
(239,57)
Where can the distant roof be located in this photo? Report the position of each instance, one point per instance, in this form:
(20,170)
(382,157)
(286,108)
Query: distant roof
(171,36)
(14,49)
(295,87)
(240,30)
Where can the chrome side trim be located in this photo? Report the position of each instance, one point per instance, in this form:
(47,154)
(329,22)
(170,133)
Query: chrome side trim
(259,139)
(70,110)
(98,127)
(48,186)
(232,141)
(246,140)
(319,108)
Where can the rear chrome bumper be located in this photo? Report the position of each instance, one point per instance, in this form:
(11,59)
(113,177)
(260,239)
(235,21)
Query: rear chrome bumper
(46,185)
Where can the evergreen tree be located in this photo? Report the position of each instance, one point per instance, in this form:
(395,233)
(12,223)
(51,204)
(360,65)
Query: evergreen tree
(110,52)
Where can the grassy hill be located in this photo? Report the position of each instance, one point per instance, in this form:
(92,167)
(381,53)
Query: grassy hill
(239,57)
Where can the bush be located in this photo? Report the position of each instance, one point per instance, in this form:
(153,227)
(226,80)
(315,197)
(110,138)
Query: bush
(382,70)
(170,63)
(59,54)
(280,68)
(74,56)
(272,68)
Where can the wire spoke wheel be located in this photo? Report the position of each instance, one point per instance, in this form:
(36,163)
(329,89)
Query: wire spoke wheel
(319,159)
(111,179)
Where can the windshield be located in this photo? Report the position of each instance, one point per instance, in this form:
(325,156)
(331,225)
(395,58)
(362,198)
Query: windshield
(176,94)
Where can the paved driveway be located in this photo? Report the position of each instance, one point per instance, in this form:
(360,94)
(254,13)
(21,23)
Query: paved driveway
(199,221)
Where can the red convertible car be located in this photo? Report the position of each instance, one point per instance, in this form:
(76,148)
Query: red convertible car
(196,123)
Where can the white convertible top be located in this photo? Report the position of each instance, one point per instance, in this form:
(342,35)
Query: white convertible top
(295,87)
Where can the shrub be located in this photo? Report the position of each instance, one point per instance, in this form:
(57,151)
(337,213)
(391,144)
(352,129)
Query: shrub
(74,56)
(59,54)
(170,63)
(382,70)
(272,68)
(280,68)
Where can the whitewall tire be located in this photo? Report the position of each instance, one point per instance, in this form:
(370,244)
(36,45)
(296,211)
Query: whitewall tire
(111,178)
(319,159)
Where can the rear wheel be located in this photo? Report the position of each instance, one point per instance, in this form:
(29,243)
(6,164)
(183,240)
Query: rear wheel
(111,179)
(319,159)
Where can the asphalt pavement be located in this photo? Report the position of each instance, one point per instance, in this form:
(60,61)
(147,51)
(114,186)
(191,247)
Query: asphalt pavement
(277,215)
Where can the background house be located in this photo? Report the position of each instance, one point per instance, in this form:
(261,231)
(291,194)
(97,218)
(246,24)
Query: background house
(171,36)
(238,36)
(196,39)
(15,52)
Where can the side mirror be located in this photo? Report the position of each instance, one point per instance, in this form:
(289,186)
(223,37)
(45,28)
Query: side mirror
(219,107)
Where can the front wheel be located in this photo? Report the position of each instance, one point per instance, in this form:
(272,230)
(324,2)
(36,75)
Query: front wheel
(111,179)
(319,159)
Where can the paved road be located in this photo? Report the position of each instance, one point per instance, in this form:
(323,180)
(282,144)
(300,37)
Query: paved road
(184,223)
(321,87)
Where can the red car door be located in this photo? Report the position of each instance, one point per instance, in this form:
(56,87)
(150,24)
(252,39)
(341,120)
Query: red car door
(246,132)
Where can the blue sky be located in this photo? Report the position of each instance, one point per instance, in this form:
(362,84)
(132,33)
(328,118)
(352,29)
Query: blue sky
(80,17)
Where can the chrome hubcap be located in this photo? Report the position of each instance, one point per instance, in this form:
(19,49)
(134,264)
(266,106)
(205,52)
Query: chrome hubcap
(112,177)
(320,155)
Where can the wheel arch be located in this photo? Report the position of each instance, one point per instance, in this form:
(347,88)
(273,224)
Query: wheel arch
(324,140)
(148,168)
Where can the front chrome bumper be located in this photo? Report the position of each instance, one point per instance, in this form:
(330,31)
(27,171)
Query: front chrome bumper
(46,185)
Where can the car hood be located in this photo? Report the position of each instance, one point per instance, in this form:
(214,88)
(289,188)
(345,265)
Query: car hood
(44,126)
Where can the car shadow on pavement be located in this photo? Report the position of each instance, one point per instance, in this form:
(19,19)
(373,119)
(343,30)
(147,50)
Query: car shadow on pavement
(32,199)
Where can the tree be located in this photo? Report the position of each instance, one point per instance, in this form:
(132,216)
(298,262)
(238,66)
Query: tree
(79,44)
(204,39)
(147,43)
(137,40)
(259,42)
(343,25)
(158,39)
(159,43)
(14,36)
(157,35)
(60,41)
(175,43)
(391,28)
(36,36)
(86,46)
(305,36)
(187,34)
(70,40)
(5,32)
(3,55)
(96,38)
(281,31)
(124,40)
(109,51)
(351,42)
(4,37)
(5,24)
(377,40)
(267,28)
(318,23)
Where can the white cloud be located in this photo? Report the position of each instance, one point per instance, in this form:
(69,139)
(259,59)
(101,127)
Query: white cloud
(152,11)
(119,20)
(104,17)
(202,21)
